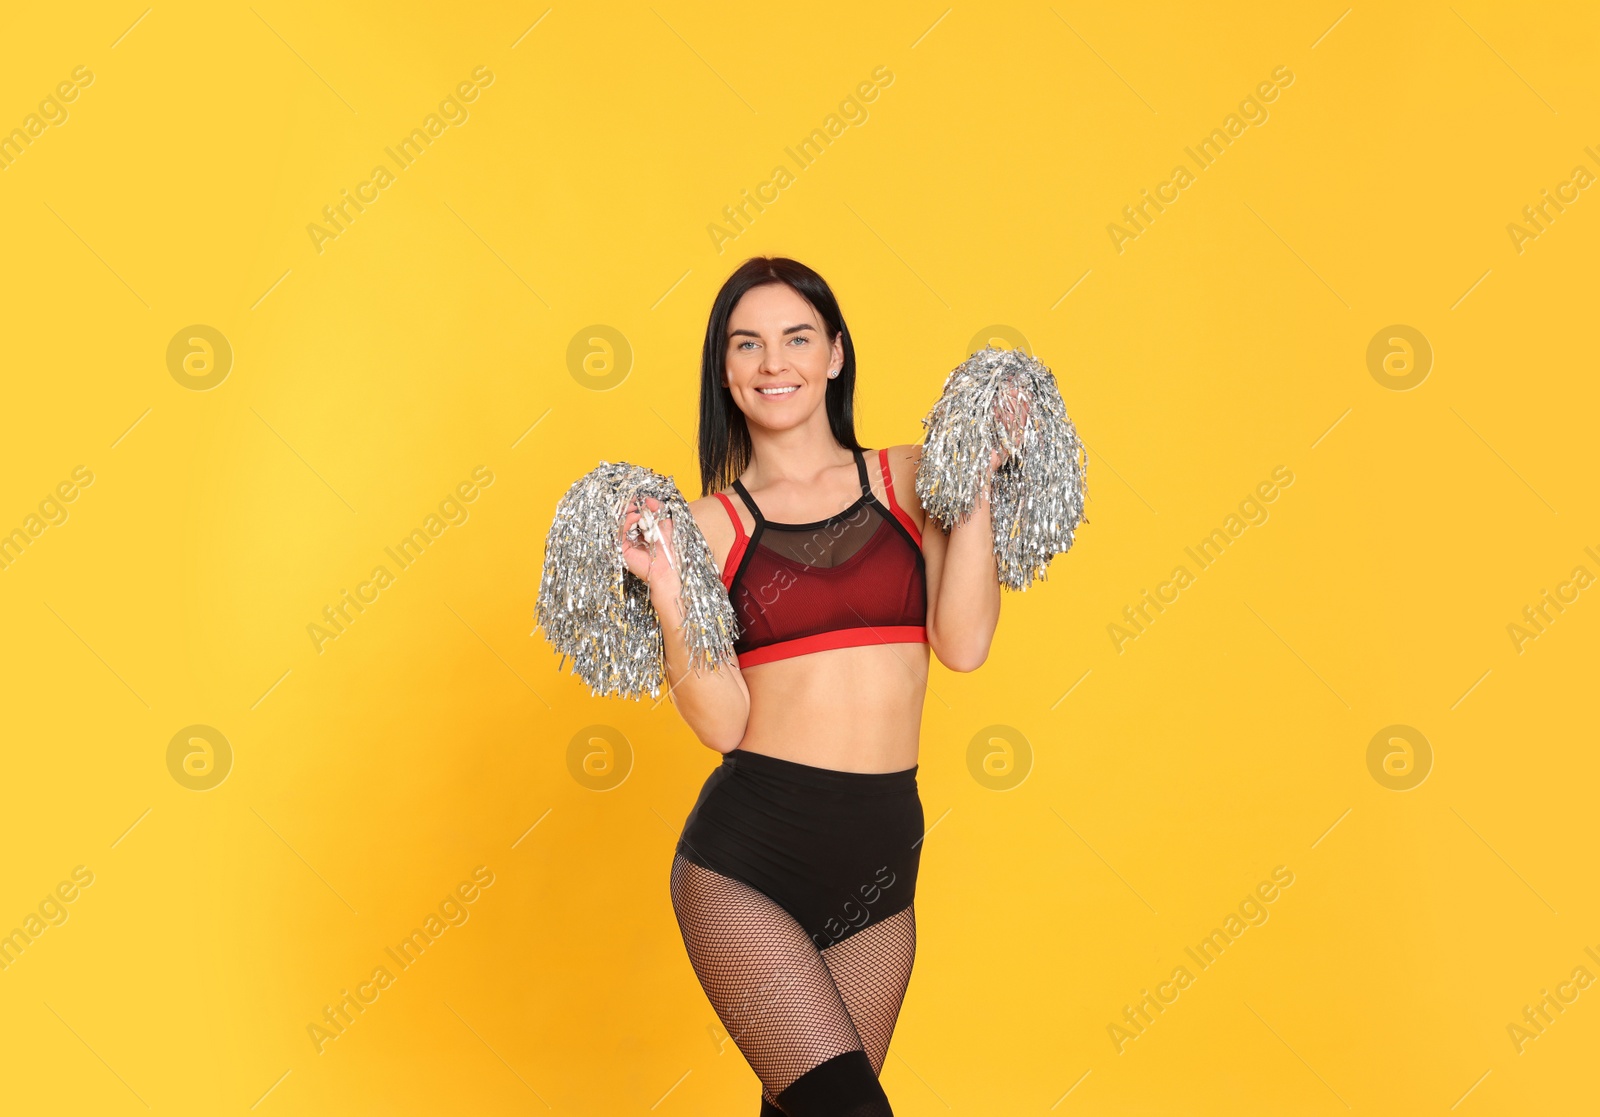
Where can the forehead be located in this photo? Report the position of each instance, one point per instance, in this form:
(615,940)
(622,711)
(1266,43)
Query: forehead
(769,302)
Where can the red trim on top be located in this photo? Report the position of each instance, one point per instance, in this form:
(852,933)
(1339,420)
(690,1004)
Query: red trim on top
(731,566)
(894,505)
(838,638)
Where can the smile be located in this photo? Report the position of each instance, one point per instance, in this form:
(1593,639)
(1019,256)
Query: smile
(779,391)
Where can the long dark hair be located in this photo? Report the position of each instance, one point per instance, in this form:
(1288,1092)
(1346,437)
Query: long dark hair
(724,435)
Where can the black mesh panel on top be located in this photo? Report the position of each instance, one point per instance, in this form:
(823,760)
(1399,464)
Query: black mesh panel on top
(825,545)
(814,1025)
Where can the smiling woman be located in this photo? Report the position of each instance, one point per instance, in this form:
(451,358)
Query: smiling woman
(794,878)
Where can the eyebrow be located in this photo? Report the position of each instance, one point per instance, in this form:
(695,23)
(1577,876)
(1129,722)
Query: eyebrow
(752,333)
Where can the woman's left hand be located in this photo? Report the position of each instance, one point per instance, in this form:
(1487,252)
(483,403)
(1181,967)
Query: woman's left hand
(1011,411)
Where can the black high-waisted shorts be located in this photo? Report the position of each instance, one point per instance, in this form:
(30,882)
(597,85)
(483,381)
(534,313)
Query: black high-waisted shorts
(837,850)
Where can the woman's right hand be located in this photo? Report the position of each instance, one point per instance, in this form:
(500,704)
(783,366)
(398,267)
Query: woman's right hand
(636,553)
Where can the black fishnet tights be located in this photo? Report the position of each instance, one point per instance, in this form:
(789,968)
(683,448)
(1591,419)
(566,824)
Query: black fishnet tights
(787,1005)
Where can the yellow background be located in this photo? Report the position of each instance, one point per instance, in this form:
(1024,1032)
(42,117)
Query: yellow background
(370,777)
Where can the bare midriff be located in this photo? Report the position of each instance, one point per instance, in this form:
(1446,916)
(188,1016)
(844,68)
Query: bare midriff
(852,709)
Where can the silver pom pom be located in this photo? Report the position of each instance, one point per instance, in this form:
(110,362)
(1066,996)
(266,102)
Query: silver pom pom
(597,612)
(1036,496)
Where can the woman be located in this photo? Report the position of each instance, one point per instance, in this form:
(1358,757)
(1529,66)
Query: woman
(794,876)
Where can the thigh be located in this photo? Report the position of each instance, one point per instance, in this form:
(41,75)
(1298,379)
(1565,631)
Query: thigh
(871,970)
(763,975)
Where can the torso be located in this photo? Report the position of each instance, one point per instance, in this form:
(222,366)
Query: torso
(855,709)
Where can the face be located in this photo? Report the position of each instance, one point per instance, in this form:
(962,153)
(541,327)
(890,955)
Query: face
(779,359)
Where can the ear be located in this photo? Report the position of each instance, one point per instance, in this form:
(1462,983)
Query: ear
(836,363)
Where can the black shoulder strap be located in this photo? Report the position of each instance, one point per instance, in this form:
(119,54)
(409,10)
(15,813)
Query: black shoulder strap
(861,471)
(749,502)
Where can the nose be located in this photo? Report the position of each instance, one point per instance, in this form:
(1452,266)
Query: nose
(773,358)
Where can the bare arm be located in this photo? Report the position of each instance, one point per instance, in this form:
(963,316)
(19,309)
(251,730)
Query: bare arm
(963,577)
(714,704)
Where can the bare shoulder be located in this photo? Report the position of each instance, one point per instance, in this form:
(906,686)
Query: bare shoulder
(712,520)
(903,462)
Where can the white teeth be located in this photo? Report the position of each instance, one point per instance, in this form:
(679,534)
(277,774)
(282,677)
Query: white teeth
(779,391)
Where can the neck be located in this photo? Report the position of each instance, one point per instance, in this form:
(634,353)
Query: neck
(799,455)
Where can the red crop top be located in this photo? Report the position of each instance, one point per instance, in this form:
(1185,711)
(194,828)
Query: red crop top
(854,578)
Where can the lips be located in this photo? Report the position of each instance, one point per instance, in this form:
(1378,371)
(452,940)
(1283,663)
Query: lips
(778,391)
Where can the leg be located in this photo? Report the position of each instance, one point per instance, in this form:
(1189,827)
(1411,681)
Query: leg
(872,969)
(776,997)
